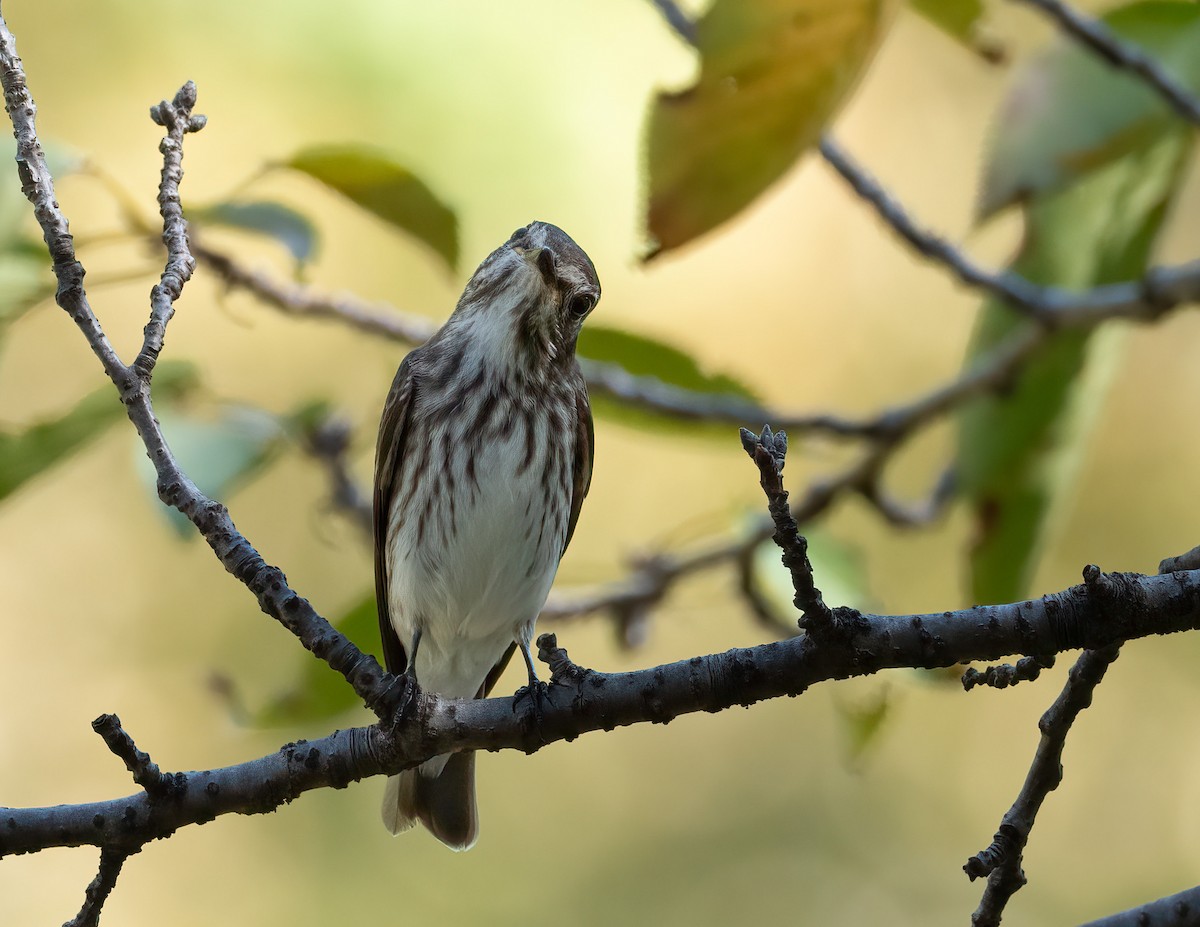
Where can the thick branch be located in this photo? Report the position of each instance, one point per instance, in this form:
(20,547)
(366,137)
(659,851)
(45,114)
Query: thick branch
(579,701)
(1178,910)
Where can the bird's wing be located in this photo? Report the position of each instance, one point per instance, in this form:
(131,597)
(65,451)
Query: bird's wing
(581,467)
(389,456)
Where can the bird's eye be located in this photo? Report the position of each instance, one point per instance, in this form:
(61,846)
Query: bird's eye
(580,305)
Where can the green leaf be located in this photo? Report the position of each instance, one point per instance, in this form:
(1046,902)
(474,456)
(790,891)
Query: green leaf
(1070,113)
(772,73)
(319,693)
(290,228)
(379,184)
(641,356)
(219,452)
(25,279)
(863,721)
(958,18)
(963,21)
(38,448)
(1016,452)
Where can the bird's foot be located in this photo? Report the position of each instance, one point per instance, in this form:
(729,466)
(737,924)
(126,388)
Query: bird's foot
(530,702)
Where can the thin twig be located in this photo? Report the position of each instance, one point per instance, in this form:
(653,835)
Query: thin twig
(1003,675)
(907,515)
(302,301)
(1160,291)
(145,771)
(678,20)
(760,607)
(177,118)
(329,443)
(1095,35)
(1188,561)
(769,452)
(97,892)
(1001,861)
(650,584)
(275,597)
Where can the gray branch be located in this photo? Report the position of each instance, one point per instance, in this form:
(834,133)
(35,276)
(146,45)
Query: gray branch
(1000,862)
(678,20)
(1160,291)
(1095,35)
(581,700)
(100,888)
(175,488)
(1178,910)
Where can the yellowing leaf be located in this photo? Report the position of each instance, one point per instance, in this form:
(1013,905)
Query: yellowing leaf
(772,73)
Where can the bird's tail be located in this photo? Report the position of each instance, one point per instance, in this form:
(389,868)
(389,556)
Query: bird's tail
(444,803)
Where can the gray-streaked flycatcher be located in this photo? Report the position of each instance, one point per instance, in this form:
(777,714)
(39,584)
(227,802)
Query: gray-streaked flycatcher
(483,461)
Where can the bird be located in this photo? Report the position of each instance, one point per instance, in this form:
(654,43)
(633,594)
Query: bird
(483,461)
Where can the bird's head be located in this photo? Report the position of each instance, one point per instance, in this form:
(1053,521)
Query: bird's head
(532,293)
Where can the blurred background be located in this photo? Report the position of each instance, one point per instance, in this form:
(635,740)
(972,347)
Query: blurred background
(535,110)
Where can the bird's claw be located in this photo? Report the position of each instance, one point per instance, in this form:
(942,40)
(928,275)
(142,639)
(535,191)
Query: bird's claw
(537,693)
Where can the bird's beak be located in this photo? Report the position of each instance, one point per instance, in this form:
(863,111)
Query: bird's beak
(540,258)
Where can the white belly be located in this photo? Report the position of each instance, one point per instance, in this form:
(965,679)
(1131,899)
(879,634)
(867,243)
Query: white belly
(472,559)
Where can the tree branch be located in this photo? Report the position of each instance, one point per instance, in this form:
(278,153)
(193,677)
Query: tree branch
(145,772)
(1188,561)
(303,302)
(769,453)
(1176,910)
(678,20)
(1161,290)
(100,888)
(1001,861)
(1004,675)
(580,700)
(1096,36)
(177,118)
(175,488)
(329,443)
